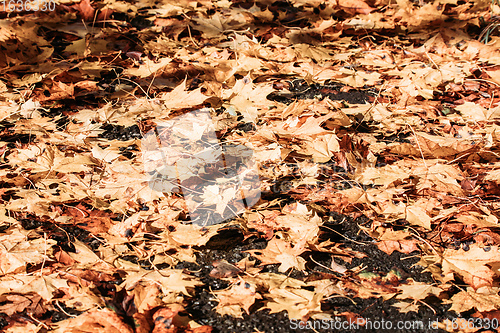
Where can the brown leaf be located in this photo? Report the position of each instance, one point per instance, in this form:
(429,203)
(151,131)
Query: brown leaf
(165,319)
(180,98)
(11,304)
(403,246)
(281,252)
(86,10)
(419,291)
(104,320)
(355,6)
(146,297)
(484,299)
(471,265)
(241,296)
(223,269)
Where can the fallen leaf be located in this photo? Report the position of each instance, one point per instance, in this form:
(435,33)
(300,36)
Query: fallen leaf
(281,252)
(471,265)
(241,296)
(483,299)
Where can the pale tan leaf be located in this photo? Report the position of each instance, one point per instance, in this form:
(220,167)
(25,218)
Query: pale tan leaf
(471,265)
(241,296)
(484,299)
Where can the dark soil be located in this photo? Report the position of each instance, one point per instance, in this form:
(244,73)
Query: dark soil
(122,133)
(228,246)
(299,89)
(201,307)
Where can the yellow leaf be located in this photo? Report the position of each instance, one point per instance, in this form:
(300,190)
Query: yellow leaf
(417,216)
(148,68)
(179,98)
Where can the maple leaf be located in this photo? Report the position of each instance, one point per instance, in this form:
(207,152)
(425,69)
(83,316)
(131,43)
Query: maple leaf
(169,280)
(281,252)
(16,252)
(146,297)
(417,216)
(403,246)
(322,147)
(80,297)
(372,285)
(495,76)
(270,152)
(213,196)
(299,303)
(355,6)
(248,266)
(19,303)
(475,112)
(406,307)
(223,269)
(84,255)
(391,241)
(433,146)
(211,27)
(337,250)
(123,228)
(483,299)
(52,159)
(302,225)
(303,127)
(240,296)
(179,98)
(249,98)
(471,265)
(45,286)
(103,320)
(148,68)
(419,290)
(85,8)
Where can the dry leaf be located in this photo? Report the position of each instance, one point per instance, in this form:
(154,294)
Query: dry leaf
(471,265)
(241,296)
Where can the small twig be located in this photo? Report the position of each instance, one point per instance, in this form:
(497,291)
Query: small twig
(78,209)
(409,257)
(351,240)
(321,265)
(110,62)
(430,307)
(483,80)
(423,240)
(152,80)
(138,85)
(44,253)
(189,31)
(419,148)
(339,296)
(67,314)
(372,106)
(38,321)
(437,67)
(459,157)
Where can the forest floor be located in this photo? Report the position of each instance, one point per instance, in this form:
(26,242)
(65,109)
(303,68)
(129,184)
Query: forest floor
(226,166)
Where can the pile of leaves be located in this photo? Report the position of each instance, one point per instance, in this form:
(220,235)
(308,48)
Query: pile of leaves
(373,126)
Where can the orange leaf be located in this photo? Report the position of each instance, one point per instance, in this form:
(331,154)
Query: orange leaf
(355,6)
(86,10)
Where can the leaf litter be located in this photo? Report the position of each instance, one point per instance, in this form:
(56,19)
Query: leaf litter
(373,125)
